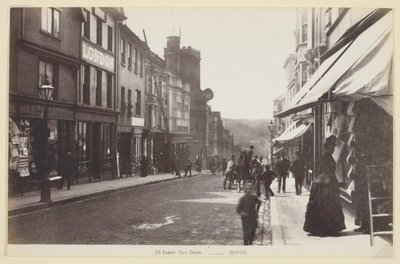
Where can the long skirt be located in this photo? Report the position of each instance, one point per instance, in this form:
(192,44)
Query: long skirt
(324,215)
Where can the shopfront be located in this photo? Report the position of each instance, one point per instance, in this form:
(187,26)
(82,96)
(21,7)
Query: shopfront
(27,141)
(352,98)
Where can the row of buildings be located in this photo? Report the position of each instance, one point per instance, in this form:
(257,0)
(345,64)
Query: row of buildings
(339,82)
(116,104)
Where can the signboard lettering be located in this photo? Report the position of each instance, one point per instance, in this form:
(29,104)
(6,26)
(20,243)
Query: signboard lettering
(97,57)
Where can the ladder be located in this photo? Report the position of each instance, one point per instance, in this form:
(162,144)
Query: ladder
(380,200)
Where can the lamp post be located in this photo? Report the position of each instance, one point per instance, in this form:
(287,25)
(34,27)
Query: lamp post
(271,129)
(46,91)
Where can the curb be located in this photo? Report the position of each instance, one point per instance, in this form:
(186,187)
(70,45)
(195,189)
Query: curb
(42,205)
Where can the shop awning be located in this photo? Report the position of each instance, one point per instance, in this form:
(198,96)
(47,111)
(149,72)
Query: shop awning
(292,134)
(337,65)
(370,76)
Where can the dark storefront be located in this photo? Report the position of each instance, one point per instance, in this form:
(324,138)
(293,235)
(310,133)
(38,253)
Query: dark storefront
(26,140)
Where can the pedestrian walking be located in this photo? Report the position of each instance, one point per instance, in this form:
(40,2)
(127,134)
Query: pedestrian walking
(188,168)
(239,173)
(177,167)
(229,173)
(69,167)
(324,215)
(282,167)
(213,165)
(248,207)
(247,157)
(224,165)
(267,177)
(298,169)
(198,163)
(144,167)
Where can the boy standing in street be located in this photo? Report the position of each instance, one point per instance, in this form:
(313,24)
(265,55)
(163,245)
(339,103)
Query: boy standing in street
(248,208)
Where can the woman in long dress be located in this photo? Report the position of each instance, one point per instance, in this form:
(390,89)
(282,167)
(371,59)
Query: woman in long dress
(324,215)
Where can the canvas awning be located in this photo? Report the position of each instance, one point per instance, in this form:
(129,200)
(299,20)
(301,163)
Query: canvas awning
(336,67)
(288,135)
(370,76)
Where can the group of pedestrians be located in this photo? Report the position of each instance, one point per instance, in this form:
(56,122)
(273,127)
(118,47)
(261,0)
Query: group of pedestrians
(324,214)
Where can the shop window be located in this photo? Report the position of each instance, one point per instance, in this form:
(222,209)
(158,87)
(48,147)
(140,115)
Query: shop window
(122,51)
(51,21)
(106,139)
(110,38)
(98,87)
(138,102)
(99,32)
(86,25)
(135,60)
(129,56)
(109,90)
(130,106)
(47,72)
(86,84)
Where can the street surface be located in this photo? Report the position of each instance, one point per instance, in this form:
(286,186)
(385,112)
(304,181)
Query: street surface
(189,211)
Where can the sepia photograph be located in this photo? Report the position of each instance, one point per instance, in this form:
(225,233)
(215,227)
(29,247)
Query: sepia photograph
(196,132)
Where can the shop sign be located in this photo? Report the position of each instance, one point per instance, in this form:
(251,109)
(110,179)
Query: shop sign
(97,57)
(37,111)
(137,121)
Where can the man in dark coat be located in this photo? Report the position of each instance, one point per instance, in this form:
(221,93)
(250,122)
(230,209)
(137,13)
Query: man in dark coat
(298,168)
(69,167)
(188,168)
(248,207)
(282,167)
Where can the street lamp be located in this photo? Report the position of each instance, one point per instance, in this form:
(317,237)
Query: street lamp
(46,91)
(271,129)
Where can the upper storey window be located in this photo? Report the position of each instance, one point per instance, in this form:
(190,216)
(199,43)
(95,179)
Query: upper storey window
(51,21)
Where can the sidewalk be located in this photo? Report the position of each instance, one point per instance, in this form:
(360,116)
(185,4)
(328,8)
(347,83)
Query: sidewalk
(287,220)
(30,201)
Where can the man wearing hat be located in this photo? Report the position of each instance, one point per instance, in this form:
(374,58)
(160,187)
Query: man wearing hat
(282,167)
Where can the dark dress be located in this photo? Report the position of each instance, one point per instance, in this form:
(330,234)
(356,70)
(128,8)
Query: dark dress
(324,215)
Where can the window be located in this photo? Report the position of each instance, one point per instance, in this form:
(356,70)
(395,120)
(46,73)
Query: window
(99,32)
(82,139)
(109,90)
(304,33)
(98,87)
(149,116)
(135,59)
(106,139)
(51,21)
(123,107)
(122,51)
(141,65)
(138,99)
(130,106)
(328,18)
(130,56)
(304,25)
(303,74)
(86,25)
(86,84)
(110,38)
(46,72)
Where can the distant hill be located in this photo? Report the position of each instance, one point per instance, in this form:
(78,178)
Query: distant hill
(250,132)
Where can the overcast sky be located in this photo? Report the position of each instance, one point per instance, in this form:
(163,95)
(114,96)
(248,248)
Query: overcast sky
(242,51)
